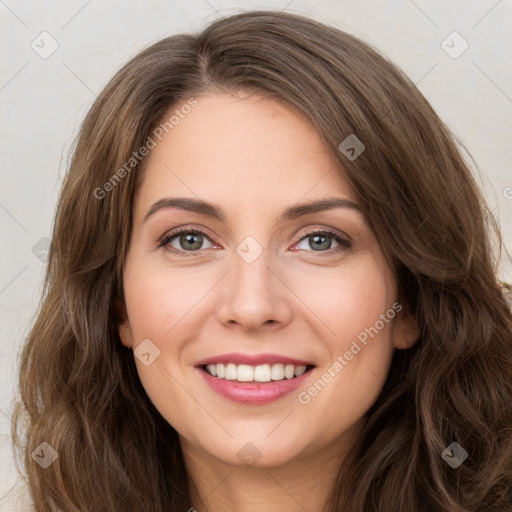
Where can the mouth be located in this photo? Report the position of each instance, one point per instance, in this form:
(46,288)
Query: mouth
(254,379)
(255,385)
(261,373)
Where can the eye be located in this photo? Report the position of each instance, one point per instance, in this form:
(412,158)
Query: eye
(187,241)
(321,241)
(184,240)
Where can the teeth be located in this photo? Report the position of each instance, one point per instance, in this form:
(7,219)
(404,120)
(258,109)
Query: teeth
(244,373)
(263,373)
(230,373)
(299,371)
(277,372)
(289,371)
(260,373)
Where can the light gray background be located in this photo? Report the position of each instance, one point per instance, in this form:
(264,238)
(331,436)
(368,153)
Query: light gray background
(43,101)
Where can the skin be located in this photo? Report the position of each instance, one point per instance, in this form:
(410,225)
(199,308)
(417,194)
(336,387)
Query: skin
(254,157)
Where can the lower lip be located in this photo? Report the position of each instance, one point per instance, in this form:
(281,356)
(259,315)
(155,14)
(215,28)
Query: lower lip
(254,393)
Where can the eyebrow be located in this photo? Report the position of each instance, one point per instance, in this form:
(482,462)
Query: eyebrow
(215,212)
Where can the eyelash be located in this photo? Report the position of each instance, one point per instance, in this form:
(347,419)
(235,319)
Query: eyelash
(164,241)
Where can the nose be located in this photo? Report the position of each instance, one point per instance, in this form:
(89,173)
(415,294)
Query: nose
(254,295)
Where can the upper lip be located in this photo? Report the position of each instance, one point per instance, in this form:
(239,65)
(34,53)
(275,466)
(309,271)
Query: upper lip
(253,359)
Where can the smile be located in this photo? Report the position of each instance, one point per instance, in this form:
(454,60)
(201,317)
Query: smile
(251,391)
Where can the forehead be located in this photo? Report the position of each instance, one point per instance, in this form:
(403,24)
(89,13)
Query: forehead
(241,147)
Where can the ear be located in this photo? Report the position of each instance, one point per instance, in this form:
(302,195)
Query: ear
(124,328)
(405,330)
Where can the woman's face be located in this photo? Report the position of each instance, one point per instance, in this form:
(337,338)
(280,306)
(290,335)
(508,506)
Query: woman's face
(262,284)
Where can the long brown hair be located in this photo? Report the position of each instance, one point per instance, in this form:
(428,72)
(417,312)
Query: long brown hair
(79,387)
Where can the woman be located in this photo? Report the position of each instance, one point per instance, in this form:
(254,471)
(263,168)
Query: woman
(334,338)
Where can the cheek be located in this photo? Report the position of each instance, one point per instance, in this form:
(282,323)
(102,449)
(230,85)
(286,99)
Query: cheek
(160,304)
(356,325)
(343,302)
(160,299)
(363,327)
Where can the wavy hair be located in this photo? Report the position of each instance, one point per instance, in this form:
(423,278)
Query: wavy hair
(79,387)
